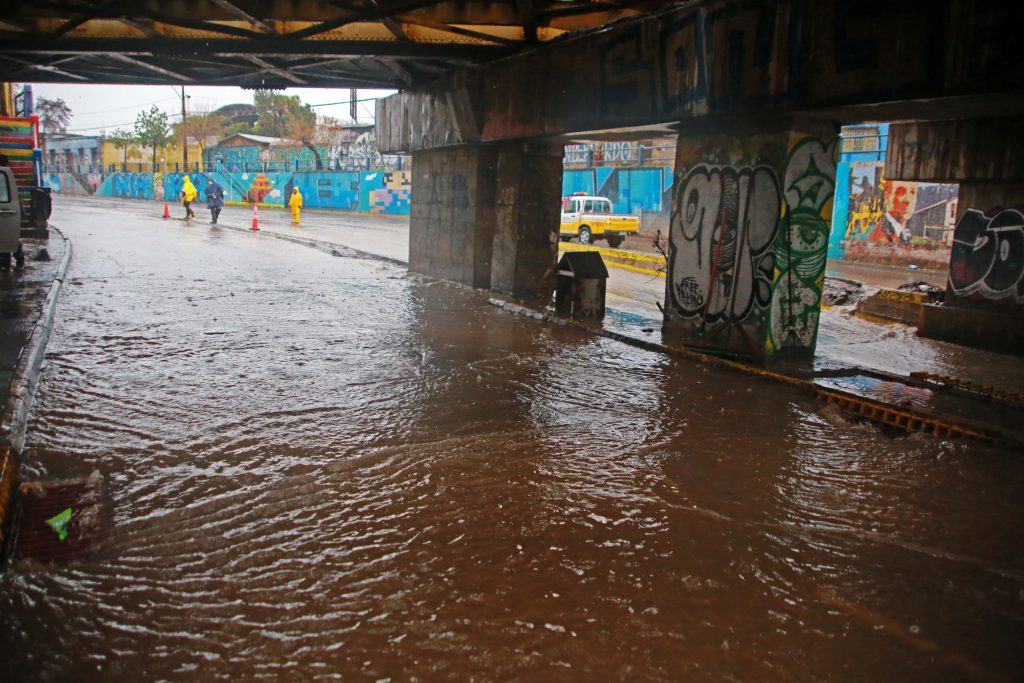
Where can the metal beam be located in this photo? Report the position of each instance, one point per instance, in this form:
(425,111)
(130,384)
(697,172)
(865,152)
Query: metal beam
(263,46)
(270,68)
(72,24)
(241,13)
(146,65)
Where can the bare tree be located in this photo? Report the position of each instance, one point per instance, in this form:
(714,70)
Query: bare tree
(202,123)
(54,115)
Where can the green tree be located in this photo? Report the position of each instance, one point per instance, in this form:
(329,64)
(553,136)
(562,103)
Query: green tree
(122,139)
(54,115)
(286,116)
(151,129)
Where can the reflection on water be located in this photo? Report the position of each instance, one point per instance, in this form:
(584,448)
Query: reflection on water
(323,466)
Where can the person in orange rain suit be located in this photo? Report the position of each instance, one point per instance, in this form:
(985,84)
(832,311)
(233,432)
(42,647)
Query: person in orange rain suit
(188,195)
(296,205)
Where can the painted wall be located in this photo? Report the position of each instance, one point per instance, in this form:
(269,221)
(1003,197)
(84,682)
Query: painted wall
(986,266)
(375,192)
(748,240)
(890,222)
(635,190)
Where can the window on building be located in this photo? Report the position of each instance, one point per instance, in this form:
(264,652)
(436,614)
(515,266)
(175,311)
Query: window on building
(861,139)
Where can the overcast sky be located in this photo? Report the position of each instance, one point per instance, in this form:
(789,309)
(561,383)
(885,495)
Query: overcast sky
(97,108)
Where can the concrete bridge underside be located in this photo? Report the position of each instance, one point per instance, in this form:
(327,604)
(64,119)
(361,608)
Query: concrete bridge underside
(757,91)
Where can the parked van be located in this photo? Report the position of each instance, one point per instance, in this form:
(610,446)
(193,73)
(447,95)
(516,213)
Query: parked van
(590,218)
(10,220)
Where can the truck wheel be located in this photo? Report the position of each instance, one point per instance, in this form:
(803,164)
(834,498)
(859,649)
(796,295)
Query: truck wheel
(585,236)
(614,242)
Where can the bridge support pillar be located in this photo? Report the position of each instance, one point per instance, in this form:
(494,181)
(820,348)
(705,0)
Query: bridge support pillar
(748,238)
(528,197)
(984,304)
(451,222)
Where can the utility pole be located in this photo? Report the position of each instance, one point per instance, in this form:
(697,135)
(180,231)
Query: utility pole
(184,135)
(353,98)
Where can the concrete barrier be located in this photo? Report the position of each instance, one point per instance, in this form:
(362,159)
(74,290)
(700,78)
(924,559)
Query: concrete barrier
(891,305)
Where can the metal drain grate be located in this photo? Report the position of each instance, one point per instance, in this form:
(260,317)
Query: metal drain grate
(43,529)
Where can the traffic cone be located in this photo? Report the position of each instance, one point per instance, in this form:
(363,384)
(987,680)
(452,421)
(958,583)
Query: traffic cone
(255,218)
(167,211)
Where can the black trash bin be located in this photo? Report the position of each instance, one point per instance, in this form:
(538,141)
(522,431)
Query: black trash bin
(580,291)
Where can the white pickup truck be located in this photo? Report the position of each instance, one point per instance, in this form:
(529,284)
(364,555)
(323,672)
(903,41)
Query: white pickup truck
(590,218)
(10,220)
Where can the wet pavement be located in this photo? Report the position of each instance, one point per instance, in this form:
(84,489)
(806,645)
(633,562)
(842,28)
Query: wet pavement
(322,467)
(22,293)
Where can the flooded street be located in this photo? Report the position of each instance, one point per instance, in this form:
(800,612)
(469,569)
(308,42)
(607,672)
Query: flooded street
(322,467)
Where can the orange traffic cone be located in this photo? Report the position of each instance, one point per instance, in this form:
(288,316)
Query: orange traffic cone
(167,211)
(255,218)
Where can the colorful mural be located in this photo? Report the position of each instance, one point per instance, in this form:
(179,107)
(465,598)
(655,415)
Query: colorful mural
(377,192)
(802,244)
(747,250)
(385,192)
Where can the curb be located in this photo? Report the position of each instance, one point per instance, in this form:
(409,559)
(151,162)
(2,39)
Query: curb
(905,418)
(327,247)
(25,378)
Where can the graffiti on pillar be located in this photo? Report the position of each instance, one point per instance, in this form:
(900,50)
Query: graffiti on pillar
(802,243)
(988,255)
(721,263)
(449,189)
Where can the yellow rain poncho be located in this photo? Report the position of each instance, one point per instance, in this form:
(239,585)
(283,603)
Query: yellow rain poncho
(296,205)
(188,191)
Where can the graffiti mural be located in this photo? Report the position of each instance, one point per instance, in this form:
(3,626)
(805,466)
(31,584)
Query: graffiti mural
(721,264)
(385,192)
(802,245)
(988,256)
(129,186)
(879,210)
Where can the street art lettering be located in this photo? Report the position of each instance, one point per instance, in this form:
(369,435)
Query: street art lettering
(605,152)
(131,185)
(987,259)
(721,262)
(802,244)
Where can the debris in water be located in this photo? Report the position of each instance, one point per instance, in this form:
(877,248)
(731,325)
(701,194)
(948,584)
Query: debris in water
(59,523)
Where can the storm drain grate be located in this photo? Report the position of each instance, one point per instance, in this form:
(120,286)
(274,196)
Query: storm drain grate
(57,522)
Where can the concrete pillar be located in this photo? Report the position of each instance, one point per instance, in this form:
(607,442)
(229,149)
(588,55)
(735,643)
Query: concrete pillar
(984,303)
(528,197)
(451,222)
(751,212)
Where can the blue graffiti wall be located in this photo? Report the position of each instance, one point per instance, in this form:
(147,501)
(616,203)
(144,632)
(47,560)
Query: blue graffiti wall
(640,190)
(329,190)
(127,185)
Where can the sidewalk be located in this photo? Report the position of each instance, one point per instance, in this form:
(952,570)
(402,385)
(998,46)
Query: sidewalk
(28,301)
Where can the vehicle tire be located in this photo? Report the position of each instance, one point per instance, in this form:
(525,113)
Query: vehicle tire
(614,242)
(585,236)
(564,238)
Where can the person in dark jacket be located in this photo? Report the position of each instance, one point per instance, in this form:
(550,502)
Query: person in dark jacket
(214,199)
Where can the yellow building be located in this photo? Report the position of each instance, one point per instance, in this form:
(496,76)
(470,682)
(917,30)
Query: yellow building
(137,154)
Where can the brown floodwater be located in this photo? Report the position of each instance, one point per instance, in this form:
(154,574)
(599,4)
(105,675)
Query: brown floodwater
(322,467)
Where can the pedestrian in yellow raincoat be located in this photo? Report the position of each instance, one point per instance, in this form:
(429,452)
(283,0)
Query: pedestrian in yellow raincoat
(188,195)
(296,205)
